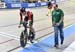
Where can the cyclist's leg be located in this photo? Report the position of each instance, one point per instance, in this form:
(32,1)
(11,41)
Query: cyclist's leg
(32,29)
(32,33)
(25,23)
(25,27)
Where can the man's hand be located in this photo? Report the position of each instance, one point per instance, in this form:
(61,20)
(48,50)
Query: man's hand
(57,24)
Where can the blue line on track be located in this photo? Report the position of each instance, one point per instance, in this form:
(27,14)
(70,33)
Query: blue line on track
(47,43)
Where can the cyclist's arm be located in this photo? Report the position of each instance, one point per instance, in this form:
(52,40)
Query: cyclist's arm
(49,12)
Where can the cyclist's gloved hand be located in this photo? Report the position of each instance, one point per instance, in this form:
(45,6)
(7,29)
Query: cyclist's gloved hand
(21,22)
(19,26)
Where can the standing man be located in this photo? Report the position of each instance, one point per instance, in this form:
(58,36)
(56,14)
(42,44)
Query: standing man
(57,21)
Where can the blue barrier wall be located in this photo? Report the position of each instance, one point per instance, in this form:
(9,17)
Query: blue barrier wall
(27,5)
(16,4)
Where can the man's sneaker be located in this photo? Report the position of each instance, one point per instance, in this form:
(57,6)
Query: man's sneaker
(57,46)
(54,45)
(61,42)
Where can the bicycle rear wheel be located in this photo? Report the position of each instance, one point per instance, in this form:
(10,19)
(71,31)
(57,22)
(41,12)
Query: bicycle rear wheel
(23,39)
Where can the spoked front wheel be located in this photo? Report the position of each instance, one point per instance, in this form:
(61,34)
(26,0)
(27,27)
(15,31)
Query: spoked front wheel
(23,39)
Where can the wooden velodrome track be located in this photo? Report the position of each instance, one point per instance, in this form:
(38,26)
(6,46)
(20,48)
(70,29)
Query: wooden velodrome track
(9,21)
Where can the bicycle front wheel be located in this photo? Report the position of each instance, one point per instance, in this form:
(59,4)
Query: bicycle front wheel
(23,39)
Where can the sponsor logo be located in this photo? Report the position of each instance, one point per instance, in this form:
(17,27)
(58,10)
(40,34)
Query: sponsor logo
(31,5)
(2,5)
(15,5)
(62,0)
(43,3)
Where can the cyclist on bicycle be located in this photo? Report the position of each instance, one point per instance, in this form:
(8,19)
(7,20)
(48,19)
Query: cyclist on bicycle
(27,16)
(49,6)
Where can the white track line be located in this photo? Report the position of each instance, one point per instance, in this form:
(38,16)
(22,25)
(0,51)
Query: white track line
(9,35)
(70,48)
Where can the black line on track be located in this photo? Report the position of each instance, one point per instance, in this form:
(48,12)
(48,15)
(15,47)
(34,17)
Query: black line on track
(14,49)
(6,41)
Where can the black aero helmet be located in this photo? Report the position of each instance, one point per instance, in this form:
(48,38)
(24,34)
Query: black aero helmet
(23,9)
(49,4)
